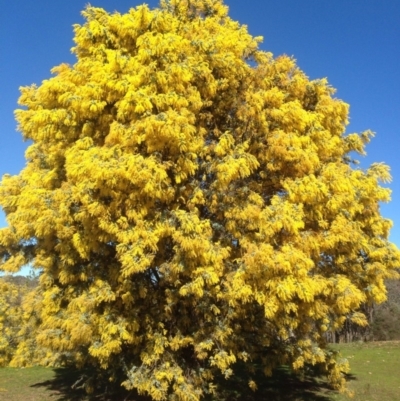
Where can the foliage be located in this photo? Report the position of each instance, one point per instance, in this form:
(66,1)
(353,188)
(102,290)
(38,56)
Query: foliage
(14,291)
(10,319)
(191,203)
(20,303)
(383,320)
(386,317)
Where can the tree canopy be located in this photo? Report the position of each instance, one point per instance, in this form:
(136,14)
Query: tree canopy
(192,203)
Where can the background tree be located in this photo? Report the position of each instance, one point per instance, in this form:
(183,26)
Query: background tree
(192,203)
(384,322)
(17,308)
(9,320)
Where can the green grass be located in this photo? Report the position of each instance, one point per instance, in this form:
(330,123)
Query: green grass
(46,384)
(20,384)
(375,376)
(375,370)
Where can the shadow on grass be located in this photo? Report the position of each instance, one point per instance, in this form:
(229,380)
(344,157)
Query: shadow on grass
(65,386)
(282,386)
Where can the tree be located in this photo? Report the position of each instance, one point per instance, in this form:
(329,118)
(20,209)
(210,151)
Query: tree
(18,301)
(9,320)
(191,203)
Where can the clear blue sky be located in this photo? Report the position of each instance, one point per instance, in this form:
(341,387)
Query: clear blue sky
(354,43)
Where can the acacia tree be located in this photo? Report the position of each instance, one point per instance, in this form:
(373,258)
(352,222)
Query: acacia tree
(19,302)
(10,318)
(191,203)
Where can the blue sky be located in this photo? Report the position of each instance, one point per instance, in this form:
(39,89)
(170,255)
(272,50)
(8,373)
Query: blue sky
(355,44)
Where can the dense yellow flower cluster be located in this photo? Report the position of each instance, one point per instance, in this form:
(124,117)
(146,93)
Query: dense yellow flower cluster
(191,202)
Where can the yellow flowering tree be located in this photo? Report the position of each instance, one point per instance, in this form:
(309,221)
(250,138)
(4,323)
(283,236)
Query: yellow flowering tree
(10,320)
(19,306)
(192,204)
